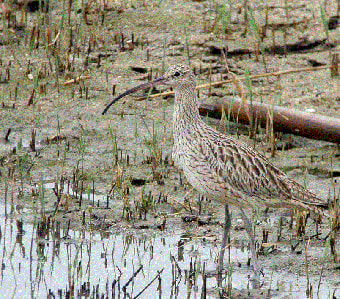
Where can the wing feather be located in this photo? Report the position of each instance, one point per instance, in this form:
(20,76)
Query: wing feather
(249,173)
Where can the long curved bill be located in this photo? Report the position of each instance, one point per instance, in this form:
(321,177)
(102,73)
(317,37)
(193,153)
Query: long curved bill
(134,89)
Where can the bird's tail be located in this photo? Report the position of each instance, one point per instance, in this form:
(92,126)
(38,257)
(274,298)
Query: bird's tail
(305,199)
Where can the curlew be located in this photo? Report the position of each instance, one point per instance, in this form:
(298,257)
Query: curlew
(223,168)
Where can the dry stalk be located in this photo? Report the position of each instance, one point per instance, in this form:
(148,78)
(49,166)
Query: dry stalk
(309,289)
(76,80)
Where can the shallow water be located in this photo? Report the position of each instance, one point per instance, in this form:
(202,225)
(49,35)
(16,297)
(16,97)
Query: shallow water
(89,264)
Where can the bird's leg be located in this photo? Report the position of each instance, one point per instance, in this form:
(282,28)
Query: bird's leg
(250,232)
(226,229)
(189,194)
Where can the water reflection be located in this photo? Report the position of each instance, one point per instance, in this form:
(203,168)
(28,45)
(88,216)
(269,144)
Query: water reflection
(40,259)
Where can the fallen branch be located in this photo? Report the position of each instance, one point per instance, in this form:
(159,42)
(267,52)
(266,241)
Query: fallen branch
(218,83)
(286,120)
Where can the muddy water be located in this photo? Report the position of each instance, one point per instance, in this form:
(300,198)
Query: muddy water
(88,264)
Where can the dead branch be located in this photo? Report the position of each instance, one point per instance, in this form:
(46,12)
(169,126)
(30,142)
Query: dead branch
(219,83)
(285,120)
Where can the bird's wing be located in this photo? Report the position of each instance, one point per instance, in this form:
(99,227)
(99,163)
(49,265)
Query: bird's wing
(251,174)
(244,169)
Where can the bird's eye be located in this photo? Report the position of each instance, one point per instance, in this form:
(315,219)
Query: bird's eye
(177,74)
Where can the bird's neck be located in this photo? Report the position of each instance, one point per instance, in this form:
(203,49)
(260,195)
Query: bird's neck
(186,111)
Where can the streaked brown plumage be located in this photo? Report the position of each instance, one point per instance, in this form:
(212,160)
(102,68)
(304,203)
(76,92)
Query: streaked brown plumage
(219,166)
(226,169)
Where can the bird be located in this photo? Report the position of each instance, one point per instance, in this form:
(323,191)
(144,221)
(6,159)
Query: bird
(221,167)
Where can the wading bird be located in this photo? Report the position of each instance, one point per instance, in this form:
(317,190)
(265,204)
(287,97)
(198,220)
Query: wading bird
(221,167)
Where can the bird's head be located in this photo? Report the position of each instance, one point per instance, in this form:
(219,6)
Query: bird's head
(176,76)
(179,75)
